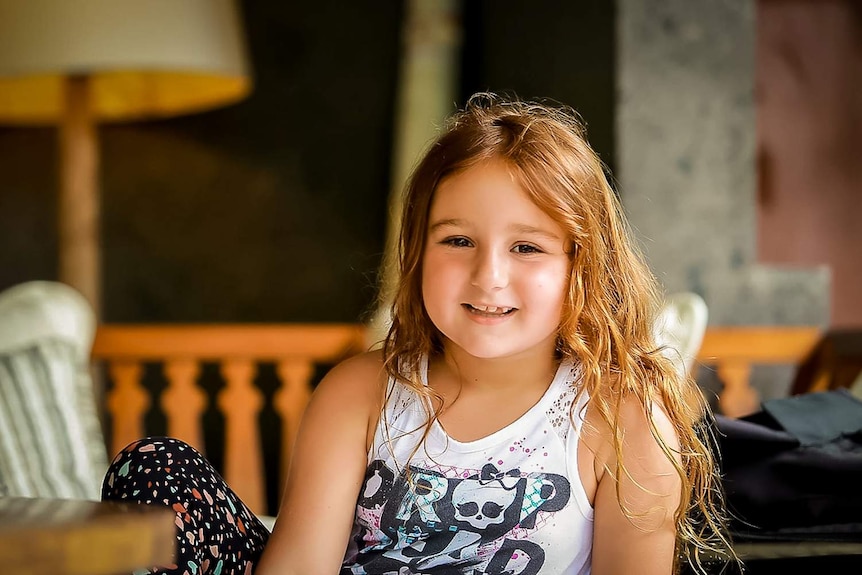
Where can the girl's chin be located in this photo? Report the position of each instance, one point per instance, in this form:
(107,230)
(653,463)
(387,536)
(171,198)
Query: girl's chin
(494,351)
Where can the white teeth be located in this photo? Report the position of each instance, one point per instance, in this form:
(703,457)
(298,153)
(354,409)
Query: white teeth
(491,309)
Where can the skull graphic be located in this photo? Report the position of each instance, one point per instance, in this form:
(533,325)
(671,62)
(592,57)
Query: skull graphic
(482,504)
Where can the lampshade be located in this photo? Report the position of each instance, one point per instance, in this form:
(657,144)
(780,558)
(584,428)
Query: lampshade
(142,58)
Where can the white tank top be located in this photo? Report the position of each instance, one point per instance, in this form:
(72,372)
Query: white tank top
(511,502)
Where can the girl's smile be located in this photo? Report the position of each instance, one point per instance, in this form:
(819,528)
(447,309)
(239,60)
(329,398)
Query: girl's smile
(495,267)
(489,310)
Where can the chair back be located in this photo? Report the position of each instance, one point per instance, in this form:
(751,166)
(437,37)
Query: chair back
(679,328)
(51,442)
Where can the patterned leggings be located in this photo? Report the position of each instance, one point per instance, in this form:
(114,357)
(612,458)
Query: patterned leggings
(216,533)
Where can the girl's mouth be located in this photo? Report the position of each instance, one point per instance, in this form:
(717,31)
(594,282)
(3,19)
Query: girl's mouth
(488,311)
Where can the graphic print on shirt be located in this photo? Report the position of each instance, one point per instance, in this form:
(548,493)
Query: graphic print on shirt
(423,521)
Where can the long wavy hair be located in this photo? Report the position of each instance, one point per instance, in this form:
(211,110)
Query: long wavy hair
(611,302)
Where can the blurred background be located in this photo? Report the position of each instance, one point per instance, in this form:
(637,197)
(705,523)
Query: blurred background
(732,130)
(275,208)
(737,122)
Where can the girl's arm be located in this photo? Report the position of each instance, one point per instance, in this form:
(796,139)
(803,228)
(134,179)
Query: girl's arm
(644,541)
(326,472)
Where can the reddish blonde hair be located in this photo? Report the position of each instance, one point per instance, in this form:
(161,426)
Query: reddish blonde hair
(607,323)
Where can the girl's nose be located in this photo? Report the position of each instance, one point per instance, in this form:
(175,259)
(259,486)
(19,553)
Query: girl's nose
(490,270)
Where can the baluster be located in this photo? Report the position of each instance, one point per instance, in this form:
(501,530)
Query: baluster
(127,401)
(290,401)
(738,398)
(183,402)
(240,402)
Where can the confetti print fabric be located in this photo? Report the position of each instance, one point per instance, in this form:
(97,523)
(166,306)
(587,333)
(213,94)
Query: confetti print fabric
(216,533)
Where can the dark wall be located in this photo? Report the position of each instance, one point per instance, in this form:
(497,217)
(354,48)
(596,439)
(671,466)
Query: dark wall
(556,49)
(28,211)
(274,209)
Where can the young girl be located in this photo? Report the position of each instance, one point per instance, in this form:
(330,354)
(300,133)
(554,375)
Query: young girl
(519,418)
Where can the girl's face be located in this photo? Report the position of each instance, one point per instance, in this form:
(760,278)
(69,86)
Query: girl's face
(495,268)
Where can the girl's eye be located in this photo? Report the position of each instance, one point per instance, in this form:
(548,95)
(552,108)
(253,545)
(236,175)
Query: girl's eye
(457,242)
(526,249)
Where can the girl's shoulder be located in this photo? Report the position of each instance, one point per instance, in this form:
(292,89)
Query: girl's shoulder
(357,375)
(367,362)
(647,428)
(352,392)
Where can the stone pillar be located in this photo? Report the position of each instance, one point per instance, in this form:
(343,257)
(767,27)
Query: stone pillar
(686,163)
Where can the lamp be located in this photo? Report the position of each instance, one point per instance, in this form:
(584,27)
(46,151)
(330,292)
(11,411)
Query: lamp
(77,63)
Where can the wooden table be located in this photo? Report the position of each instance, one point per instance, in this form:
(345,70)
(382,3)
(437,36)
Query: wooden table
(70,537)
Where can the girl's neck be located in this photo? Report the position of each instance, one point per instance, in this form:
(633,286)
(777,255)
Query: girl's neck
(482,396)
(534,368)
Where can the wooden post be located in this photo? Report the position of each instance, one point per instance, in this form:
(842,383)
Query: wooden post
(128,402)
(738,398)
(184,401)
(78,205)
(241,401)
(290,402)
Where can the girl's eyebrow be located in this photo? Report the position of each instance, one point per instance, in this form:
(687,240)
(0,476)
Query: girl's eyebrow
(452,222)
(516,228)
(532,230)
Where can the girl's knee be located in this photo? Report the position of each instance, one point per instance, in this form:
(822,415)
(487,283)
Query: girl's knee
(152,450)
(146,463)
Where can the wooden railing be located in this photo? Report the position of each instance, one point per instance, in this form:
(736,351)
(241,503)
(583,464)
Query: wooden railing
(734,350)
(295,350)
(238,349)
